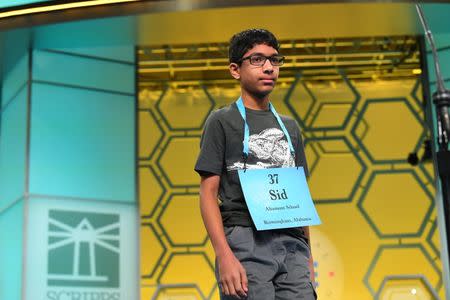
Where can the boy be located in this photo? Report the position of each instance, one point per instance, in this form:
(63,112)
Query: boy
(251,264)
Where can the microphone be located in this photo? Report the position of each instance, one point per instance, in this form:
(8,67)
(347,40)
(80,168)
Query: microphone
(441,98)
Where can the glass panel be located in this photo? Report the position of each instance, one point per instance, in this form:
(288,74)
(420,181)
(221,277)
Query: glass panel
(85,72)
(82,143)
(12,150)
(11,224)
(15,80)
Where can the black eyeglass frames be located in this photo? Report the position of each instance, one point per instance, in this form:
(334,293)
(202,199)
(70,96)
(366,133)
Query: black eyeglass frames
(259,60)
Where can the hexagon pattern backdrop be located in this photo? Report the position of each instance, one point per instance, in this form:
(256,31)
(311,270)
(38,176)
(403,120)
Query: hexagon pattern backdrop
(379,238)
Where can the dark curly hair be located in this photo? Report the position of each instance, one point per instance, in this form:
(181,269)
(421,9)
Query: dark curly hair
(245,40)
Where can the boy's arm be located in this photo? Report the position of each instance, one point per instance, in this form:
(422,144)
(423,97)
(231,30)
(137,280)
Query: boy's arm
(233,277)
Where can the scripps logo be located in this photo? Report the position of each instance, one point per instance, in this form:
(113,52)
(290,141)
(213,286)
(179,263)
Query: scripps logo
(83,250)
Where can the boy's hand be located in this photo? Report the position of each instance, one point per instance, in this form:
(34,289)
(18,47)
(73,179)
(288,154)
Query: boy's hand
(233,278)
(232,275)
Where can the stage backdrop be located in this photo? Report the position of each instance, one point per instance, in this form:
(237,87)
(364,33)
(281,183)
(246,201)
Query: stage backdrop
(68,203)
(379,237)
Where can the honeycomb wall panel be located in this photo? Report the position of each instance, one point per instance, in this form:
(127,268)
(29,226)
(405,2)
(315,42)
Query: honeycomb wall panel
(379,238)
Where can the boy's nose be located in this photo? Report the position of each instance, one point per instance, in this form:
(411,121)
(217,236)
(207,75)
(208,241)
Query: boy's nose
(267,67)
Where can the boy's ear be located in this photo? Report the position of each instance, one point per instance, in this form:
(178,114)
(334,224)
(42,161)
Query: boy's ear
(235,71)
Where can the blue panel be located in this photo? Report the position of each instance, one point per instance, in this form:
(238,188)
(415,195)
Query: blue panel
(437,16)
(120,53)
(118,31)
(14,45)
(441,40)
(12,150)
(20,2)
(86,72)
(444,60)
(82,143)
(11,241)
(15,79)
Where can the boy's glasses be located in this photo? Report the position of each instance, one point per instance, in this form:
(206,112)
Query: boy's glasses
(259,60)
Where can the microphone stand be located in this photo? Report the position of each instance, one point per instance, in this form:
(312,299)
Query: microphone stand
(441,100)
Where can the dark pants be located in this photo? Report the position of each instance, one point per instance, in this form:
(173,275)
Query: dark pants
(276,264)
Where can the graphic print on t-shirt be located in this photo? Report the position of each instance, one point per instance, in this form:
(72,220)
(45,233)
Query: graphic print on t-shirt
(269,149)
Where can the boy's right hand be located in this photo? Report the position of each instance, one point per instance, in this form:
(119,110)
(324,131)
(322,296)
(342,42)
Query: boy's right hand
(233,277)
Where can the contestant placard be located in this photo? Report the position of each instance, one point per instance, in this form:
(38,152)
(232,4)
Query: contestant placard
(278,198)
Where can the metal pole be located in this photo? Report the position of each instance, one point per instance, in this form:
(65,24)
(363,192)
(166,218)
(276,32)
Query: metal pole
(441,100)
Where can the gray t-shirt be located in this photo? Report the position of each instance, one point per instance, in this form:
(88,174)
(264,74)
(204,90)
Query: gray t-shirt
(221,154)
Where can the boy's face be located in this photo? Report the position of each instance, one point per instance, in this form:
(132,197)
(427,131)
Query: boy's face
(257,80)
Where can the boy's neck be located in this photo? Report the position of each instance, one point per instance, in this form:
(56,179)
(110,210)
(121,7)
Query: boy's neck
(256,103)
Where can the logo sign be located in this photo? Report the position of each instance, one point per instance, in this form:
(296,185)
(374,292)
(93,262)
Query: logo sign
(81,251)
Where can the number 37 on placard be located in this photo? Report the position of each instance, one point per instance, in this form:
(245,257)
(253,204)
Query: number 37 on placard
(273,178)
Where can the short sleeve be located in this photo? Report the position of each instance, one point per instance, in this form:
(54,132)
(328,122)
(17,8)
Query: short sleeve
(212,148)
(300,151)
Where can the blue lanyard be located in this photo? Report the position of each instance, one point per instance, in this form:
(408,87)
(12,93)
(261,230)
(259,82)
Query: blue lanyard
(241,108)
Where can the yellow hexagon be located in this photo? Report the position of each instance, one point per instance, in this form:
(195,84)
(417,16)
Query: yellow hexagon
(178,159)
(300,100)
(224,95)
(335,174)
(153,250)
(336,99)
(442,291)
(402,260)
(185,108)
(386,137)
(190,268)
(206,249)
(178,293)
(331,115)
(428,168)
(277,99)
(149,134)
(148,98)
(209,251)
(405,289)
(182,221)
(150,191)
(435,238)
(147,292)
(312,155)
(215,295)
(334,146)
(395,210)
(333,92)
